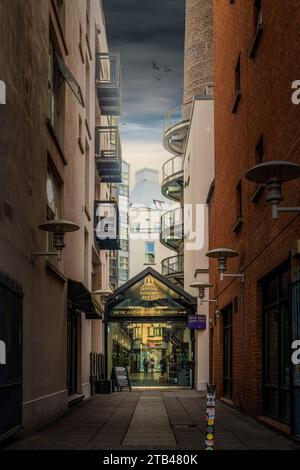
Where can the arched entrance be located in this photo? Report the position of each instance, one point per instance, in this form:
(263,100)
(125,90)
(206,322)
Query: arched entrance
(147,330)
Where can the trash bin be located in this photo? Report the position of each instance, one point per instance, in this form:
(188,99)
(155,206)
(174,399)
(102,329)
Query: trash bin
(104,387)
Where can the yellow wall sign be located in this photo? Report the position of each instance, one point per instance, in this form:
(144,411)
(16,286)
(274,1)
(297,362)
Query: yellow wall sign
(149,291)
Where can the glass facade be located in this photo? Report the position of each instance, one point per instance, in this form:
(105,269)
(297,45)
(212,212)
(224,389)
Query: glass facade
(120,191)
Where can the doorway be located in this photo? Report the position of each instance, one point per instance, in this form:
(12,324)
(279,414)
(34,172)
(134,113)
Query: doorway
(72,350)
(156,354)
(11,309)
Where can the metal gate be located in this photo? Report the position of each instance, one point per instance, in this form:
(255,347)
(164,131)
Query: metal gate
(296,368)
(11,303)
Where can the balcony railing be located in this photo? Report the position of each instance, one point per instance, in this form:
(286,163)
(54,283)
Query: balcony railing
(172,228)
(108,83)
(172,183)
(173,266)
(176,126)
(177,115)
(108,153)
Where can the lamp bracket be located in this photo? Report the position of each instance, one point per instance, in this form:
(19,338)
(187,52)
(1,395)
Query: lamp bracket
(277,209)
(222,275)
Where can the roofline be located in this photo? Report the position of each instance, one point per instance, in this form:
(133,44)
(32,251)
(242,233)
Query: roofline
(159,277)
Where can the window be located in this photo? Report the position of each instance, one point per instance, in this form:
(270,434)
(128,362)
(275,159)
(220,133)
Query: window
(56,98)
(80,43)
(159,204)
(239,208)
(259,151)
(237,85)
(227,352)
(53,191)
(87,91)
(259,158)
(257,26)
(149,253)
(113,270)
(88,26)
(276,345)
(61,14)
(123,262)
(87,178)
(86,258)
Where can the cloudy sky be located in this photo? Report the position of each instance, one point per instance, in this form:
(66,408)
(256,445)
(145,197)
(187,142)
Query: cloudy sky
(143,32)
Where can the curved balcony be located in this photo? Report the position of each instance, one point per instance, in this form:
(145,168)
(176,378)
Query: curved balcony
(177,122)
(171,234)
(173,268)
(172,184)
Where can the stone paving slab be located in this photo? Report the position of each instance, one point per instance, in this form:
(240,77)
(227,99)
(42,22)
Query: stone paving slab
(150,426)
(151,419)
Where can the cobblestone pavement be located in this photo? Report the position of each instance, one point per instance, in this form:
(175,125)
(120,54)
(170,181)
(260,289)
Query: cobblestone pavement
(151,419)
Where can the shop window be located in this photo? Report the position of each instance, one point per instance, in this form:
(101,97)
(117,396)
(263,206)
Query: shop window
(276,345)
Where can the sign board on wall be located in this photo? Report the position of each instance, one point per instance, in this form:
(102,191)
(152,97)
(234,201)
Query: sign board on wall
(197,322)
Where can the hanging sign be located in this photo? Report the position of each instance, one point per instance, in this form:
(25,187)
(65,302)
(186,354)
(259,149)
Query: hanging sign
(210,416)
(197,322)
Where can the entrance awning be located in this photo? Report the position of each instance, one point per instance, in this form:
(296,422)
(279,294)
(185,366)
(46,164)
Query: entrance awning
(81,299)
(149,295)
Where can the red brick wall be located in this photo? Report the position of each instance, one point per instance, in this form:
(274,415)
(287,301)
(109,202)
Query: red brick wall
(265,108)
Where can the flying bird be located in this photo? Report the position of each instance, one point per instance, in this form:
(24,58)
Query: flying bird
(155,66)
(159,78)
(167,69)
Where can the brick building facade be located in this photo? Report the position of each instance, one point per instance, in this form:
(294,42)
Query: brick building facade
(255,49)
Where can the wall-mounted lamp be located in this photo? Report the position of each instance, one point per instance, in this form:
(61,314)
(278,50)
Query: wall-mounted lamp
(59,228)
(222,255)
(273,174)
(202,286)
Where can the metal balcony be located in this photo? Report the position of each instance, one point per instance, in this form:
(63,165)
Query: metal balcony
(176,127)
(108,83)
(172,184)
(173,268)
(172,228)
(108,154)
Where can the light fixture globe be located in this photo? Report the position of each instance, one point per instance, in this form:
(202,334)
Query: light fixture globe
(58,227)
(273,174)
(222,254)
(201,286)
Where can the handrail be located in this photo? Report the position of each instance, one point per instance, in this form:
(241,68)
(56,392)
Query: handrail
(172,265)
(172,166)
(177,115)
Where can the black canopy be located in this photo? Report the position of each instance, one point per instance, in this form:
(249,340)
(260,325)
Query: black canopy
(80,298)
